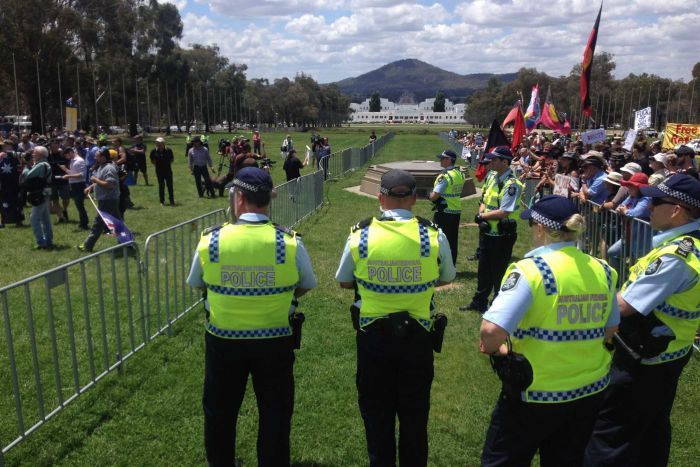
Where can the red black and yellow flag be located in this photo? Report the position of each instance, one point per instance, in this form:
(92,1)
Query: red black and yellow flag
(586,67)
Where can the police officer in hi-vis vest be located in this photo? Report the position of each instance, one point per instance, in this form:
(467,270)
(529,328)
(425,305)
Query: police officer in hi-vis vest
(501,198)
(394,263)
(446,196)
(252,271)
(549,332)
(660,309)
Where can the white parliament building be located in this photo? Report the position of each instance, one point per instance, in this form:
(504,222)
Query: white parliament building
(407,113)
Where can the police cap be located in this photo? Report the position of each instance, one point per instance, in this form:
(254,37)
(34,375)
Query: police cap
(447,153)
(552,211)
(681,187)
(252,179)
(502,152)
(398,184)
(684,150)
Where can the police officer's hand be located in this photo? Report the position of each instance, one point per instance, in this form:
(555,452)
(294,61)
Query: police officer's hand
(478,219)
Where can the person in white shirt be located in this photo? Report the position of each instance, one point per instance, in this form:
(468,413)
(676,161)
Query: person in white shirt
(76,174)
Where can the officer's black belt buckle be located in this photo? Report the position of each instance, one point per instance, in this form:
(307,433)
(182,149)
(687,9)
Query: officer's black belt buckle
(400,322)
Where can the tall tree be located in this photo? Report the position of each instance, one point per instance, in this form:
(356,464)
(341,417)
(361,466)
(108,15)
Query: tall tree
(439,103)
(375,103)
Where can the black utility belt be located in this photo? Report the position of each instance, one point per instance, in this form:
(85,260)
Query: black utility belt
(395,324)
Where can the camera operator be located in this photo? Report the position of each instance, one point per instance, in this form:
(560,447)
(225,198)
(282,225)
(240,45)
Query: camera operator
(10,204)
(36,178)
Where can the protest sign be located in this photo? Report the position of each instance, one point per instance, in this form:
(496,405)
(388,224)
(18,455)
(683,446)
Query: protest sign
(561,185)
(642,119)
(466,153)
(593,136)
(629,140)
(679,133)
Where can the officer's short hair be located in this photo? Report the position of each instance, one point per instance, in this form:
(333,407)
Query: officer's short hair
(260,199)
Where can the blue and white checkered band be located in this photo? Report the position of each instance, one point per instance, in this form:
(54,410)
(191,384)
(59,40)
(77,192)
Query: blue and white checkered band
(250,291)
(667,356)
(381,288)
(564,396)
(568,335)
(608,273)
(424,241)
(679,195)
(280,250)
(669,310)
(245,186)
(549,223)
(250,333)
(214,246)
(550,283)
(362,248)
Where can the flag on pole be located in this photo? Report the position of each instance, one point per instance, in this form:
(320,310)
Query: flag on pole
(553,119)
(116,226)
(532,114)
(496,138)
(512,114)
(586,67)
(519,130)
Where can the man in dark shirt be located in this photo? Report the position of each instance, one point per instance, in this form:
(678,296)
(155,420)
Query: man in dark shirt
(10,205)
(59,186)
(137,156)
(292,165)
(162,158)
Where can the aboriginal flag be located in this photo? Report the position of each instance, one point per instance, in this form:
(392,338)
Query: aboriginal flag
(586,67)
(496,138)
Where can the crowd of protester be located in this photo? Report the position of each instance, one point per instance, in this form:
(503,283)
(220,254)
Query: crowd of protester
(58,174)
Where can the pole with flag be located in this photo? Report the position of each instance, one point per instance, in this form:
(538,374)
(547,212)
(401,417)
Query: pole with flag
(496,138)
(586,67)
(116,227)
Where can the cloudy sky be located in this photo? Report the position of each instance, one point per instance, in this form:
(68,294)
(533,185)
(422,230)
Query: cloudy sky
(332,40)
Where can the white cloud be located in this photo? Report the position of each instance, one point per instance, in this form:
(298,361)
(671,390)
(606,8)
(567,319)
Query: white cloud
(333,40)
(180,4)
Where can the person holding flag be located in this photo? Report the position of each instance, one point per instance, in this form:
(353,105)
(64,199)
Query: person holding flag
(105,186)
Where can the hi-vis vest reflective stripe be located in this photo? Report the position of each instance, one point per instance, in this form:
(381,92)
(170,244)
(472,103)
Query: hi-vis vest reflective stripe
(494,193)
(396,268)
(681,311)
(250,272)
(453,192)
(562,334)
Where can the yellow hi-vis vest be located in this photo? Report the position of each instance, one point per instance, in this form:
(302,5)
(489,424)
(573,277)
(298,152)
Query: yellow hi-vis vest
(563,332)
(453,192)
(396,268)
(680,311)
(493,193)
(250,272)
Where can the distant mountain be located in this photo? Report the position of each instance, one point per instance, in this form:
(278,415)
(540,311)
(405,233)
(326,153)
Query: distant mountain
(411,77)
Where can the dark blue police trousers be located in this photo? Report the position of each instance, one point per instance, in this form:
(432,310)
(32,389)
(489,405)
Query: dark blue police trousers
(634,426)
(228,362)
(558,431)
(394,375)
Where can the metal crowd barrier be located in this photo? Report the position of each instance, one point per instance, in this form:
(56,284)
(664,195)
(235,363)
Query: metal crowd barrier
(167,256)
(605,228)
(67,328)
(64,330)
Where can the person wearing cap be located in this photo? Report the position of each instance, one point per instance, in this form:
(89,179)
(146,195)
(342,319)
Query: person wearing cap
(446,196)
(199,159)
(634,234)
(616,197)
(393,262)
(549,326)
(104,183)
(252,271)
(75,174)
(137,156)
(162,158)
(500,199)
(658,165)
(660,316)
(592,175)
(686,159)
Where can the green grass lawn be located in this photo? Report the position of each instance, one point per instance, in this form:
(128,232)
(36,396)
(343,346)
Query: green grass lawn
(151,413)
